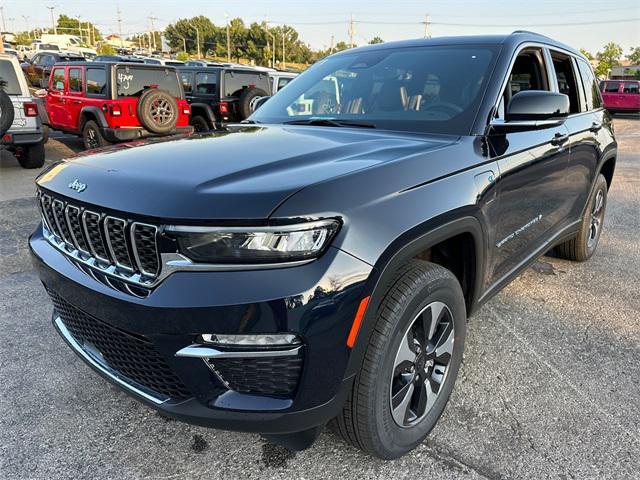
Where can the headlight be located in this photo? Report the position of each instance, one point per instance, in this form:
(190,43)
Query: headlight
(276,244)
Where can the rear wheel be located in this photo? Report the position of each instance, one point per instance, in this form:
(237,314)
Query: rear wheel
(92,136)
(32,156)
(410,365)
(199,124)
(584,244)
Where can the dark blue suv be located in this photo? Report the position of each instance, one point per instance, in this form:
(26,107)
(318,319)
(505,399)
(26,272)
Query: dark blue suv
(318,262)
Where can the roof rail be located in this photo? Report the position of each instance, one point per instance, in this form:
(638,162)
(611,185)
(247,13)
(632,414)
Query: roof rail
(530,33)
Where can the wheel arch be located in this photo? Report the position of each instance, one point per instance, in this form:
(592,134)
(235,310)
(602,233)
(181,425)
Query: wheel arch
(92,113)
(415,243)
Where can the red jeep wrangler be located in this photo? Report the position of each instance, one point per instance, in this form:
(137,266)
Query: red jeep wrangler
(115,102)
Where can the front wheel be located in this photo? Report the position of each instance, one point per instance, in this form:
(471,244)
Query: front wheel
(410,364)
(584,244)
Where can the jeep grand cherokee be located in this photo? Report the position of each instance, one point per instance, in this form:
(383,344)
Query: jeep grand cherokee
(319,263)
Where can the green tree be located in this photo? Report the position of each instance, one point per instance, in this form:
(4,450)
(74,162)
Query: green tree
(73,26)
(23,38)
(634,56)
(376,40)
(608,58)
(186,28)
(105,49)
(182,56)
(586,53)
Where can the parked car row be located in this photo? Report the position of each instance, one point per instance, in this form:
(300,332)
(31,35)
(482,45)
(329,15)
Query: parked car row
(621,96)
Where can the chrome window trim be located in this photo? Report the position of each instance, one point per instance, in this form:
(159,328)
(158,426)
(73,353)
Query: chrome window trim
(73,236)
(86,233)
(102,367)
(110,249)
(134,245)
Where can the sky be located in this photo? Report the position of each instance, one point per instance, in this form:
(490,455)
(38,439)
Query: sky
(585,24)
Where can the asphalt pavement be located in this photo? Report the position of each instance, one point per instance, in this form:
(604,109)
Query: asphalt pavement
(549,388)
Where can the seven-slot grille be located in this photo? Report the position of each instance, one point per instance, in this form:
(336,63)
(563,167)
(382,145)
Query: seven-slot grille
(125,249)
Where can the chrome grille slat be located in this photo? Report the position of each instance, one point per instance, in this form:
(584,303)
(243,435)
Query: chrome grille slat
(103,245)
(72,215)
(115,233)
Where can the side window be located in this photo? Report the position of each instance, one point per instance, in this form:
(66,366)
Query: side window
(611,87)
(282,82)
(96,82)
(591,90)
(187,81)
(36,59)
(206,83)
(567,80)
(631,88)
(75,80)
(47,60)
(528,73)
(57,79)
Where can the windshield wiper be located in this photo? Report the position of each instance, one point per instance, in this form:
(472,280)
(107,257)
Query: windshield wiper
(331,122)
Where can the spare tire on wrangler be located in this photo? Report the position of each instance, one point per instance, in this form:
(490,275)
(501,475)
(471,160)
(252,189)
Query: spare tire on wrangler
(157,111)
(247,99)
(6,112)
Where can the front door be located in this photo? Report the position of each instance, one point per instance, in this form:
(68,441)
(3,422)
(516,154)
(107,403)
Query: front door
(532,169)
(56,101)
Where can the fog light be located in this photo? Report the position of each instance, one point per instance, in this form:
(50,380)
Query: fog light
(251,340)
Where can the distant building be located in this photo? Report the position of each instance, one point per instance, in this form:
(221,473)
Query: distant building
(116,42)
(625,72)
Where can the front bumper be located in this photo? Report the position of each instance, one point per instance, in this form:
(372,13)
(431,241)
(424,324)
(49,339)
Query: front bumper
(115,135)
(316,301)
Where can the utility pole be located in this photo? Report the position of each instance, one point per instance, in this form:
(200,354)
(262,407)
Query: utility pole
(333,43)
(26,24)
(120,27)
(426,27)
(153,30)
(4,27)
(226,19)
(197,39)
(11,23)
(80,28)
(352,31)
(284,57)
(184,43)
(273,43)
(53,22)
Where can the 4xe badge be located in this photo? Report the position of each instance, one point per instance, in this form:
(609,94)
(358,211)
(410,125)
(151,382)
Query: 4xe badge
(78,186)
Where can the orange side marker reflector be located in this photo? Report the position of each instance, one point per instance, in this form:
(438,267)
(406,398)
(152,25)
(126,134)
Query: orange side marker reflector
(355,327)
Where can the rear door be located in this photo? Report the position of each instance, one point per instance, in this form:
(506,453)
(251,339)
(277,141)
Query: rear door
(532,173)
(630,97)
(583,126)
(75,80)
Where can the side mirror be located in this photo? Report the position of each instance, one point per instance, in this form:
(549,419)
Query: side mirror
(531,109)
(42,93)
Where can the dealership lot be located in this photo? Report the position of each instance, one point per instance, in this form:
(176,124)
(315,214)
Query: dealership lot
(548,389)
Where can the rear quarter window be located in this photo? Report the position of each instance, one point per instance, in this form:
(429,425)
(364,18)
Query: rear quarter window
(206,83)
(133,81)
(631,87)
(235,82)
(96,82)
(8,78)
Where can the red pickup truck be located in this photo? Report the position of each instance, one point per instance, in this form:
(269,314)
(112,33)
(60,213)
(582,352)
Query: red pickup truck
(108,102)
(621,96)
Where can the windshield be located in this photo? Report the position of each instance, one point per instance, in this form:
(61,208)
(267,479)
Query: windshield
(419,89)
(132,81)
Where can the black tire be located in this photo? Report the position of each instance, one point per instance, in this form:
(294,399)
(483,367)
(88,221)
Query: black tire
(245,100)
(32,156)
(200,124)
(367,420)
(45,133)
(6,112)
(92,136)
(157,111)
(582,247)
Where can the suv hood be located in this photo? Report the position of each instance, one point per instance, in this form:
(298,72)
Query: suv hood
(243,173)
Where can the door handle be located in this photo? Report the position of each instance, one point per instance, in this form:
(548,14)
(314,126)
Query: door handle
(77,102)
(595,127)
(559,138)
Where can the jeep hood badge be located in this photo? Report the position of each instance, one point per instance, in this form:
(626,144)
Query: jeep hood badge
(78,186)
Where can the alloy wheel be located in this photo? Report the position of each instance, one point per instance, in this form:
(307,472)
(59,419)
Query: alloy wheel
(597,217)
(162,112)
(92,139)
(421,364)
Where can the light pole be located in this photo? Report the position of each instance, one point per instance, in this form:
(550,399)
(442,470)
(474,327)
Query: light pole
(285,31)
(273,43)
(184,43)
(80,28)
(26,24)
(53,23)
(226,16)
(4,27)
(197,38)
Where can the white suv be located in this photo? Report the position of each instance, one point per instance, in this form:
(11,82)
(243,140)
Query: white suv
(25,137)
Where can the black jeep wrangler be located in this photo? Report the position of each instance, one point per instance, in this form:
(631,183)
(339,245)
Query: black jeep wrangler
(220,95)
(310,267)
